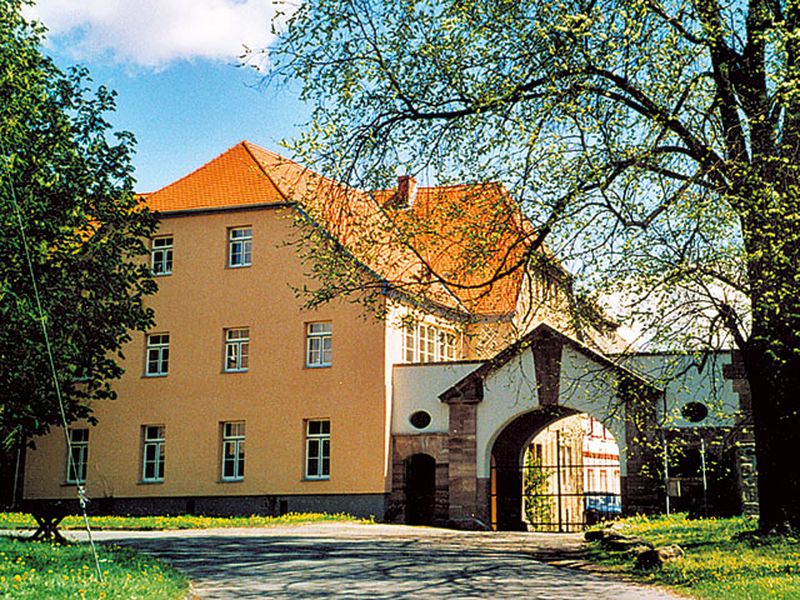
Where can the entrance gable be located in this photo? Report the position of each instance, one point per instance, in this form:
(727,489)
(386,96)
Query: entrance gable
(546,372)
(544,369)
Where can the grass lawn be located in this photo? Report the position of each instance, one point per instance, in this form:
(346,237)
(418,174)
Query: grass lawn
(42,570)
(716,564)
(23,521)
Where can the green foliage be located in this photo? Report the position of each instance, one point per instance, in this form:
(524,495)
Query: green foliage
(724,559)
(654,144)
(535,490)
(24,521)
(72,181)
(39,570)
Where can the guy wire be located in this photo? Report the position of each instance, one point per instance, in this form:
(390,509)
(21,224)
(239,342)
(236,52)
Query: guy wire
(82,498)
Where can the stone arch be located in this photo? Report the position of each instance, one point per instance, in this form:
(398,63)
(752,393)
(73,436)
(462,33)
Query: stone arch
(524,388)
(507,451)
(404,447)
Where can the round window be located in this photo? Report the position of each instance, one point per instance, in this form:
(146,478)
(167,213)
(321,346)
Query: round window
(420,419)
(694,411)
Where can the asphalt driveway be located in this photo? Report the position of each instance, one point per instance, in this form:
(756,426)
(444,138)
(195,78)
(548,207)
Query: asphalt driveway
(373,561)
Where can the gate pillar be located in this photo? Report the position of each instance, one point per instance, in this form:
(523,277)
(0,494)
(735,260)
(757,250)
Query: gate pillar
(463,453)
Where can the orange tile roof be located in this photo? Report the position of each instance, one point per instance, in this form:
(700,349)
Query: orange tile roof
(472,236)
(466,234)
(234,178)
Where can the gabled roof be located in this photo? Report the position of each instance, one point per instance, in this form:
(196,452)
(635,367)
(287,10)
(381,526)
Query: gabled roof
(234,178)
(467,234)
(473,236)
(539,334)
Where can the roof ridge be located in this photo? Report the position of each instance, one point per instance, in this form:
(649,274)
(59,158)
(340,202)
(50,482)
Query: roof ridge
(306,170)
(246,145)
(197,170)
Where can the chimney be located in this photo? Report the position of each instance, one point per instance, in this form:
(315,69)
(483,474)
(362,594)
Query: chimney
(406,191)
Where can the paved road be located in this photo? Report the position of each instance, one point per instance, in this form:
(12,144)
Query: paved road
(373,561)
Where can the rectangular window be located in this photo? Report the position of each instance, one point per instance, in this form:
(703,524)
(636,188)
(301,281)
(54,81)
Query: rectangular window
(319,344)
(240,247)
(161,256)
(318,449)
(157,355)
(427,343)
(153,453)
(410,344)
(77,455)
(237,350)
(447,345)
(233,451)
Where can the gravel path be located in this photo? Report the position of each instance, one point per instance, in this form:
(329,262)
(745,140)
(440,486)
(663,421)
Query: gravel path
(375,561)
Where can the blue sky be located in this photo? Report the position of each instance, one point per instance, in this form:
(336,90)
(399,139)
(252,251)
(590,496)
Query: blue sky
(174,65)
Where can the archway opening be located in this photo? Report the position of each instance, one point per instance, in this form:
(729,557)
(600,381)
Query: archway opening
(554,470)
(420,489)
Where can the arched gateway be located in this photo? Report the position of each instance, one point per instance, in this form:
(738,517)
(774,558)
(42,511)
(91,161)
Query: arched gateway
(483,415)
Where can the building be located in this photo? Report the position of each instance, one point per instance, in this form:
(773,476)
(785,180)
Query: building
(241,400)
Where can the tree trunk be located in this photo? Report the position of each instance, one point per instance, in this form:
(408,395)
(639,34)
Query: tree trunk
(769,211)
(775,387)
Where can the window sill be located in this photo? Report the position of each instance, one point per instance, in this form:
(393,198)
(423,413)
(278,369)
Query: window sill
(316,478)
(161,274)
(234,371)
(240,266)
(326,366)
(151,482)
(239,480)
(154,375)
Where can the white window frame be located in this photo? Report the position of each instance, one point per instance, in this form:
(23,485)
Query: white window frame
(153,452)
(425,343)
(156,362)
(77,455)
(161,255)
(319,344)
(240,247)
(318,449)
(237,350)
(233,440)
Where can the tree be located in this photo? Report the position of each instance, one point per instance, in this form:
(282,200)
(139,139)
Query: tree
(71,181)
(653,142)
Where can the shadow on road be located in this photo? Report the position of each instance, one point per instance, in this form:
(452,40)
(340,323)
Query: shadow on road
(255,564)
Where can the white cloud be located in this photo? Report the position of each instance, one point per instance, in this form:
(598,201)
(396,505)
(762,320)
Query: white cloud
(154,33)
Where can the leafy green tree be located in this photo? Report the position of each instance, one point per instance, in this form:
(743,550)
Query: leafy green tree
(653,142)
(536,494)
(71,180)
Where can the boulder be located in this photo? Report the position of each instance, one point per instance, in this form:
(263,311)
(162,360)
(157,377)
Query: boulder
(617,542)
(594,535)
(637,550)
(655,558)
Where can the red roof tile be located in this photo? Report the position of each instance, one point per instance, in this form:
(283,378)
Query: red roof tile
(466,234)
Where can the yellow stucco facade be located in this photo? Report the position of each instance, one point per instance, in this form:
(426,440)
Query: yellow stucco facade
(195,305)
